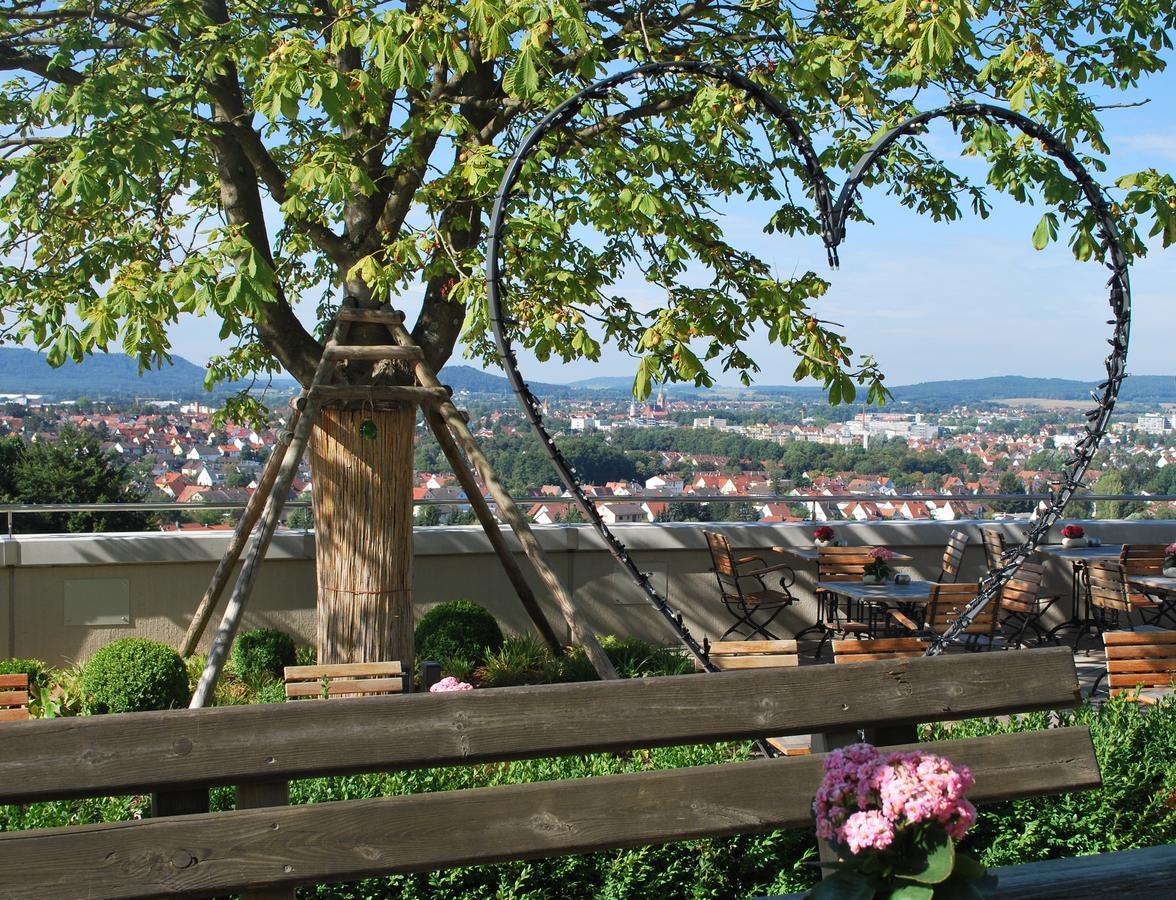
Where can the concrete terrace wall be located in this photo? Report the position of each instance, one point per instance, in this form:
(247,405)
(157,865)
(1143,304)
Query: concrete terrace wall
(64,596)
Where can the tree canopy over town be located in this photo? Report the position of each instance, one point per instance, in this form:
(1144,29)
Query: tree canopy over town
(237,160)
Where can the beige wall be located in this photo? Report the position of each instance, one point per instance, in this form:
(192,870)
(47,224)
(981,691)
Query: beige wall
(51,585)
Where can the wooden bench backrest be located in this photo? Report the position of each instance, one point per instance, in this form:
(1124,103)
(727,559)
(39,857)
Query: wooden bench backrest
(994,547)
(1140,659)
(842,563)
(953,557)
(949,600)
(854,651)
(344,680)
(753,654)
(14,697)
(1019,594)
(220,853)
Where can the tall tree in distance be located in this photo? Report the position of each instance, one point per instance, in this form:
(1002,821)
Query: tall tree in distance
(251,162)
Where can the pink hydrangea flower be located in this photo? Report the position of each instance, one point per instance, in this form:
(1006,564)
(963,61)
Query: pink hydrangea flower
(881,553)
(449,683)
(1170,550)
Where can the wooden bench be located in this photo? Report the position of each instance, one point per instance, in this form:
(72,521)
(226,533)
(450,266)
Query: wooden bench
(264,848)
(1144,660)
(859,651)
(728,655)
(346,680)
(14,697)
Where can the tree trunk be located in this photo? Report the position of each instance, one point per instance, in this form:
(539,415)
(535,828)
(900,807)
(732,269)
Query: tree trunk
(363,534)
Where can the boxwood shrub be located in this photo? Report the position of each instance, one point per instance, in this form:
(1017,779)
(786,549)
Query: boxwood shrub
(458,629)
(263,651)
(135,675)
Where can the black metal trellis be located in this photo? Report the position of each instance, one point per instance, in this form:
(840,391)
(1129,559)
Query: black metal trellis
(833,219)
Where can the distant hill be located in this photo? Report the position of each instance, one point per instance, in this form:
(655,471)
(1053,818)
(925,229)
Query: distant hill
(104,375)
(1136,389)
(114,375)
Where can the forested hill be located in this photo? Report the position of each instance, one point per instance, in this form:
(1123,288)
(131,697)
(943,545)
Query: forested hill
(103,375)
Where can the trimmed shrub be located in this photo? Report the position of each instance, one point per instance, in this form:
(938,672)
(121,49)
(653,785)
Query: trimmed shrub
(37,671)
(458,629)
(522,659)
(263,651)
(135,675)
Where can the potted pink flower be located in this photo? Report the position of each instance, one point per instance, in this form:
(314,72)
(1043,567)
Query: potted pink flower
(877,570)
(894,819)
(1073,536)
(1170,560)
(823,536)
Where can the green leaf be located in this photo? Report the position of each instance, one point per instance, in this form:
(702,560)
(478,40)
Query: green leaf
(913,892)
(968,867)
(938,852)
(843,884)
(1046,231)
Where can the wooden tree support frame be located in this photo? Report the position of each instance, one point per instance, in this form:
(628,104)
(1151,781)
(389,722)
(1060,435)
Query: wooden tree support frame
(449,424)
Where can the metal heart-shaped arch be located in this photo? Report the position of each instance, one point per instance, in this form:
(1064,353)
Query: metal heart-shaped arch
(833,217)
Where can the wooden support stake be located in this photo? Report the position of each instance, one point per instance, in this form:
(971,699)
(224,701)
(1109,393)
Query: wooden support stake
(240,538)
(514,517)
(490,525)
(231,620)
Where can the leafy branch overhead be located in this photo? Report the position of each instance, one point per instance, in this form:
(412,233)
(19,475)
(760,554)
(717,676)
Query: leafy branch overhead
(242,161)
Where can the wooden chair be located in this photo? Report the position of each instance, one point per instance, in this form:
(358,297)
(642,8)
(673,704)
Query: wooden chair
(1111,600)
(1022,608)
(948,601)
(1143,559)
(14,697)
(734,655)
(1141,660)
(953,558)
(746,605)
(994,548)
(860,651)
(751,654)
(844,564)
(346,680)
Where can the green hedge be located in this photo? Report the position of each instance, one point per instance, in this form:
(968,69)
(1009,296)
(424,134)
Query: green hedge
(1136,807)
(263,651)
(135,675)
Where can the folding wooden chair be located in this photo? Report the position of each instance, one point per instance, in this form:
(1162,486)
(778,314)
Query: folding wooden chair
(869,650)
(843,564)
(732,655)
(1022,607)
(994,548)
(745,606)
(1145,559)
(948,601)
(953,558)
(1111,599)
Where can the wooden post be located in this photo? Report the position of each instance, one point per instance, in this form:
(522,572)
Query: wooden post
(514,517)
(490,525)
(257,795)
(240,538)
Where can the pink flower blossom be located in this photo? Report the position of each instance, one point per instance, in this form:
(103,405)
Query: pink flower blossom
(881,553)
(1073,531)
(868,830)
(1170,550)
(449,683)
(866,798)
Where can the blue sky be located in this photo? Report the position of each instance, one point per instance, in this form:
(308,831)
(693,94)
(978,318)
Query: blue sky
(960,300)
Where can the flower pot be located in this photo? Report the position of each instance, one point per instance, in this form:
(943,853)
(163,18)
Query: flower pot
(1169,571)
(817,543)
(873,579)
(1073,542)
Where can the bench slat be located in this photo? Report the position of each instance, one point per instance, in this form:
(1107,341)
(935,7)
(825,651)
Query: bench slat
(14,698)
(346,686)
(19,681)
(14,715)
(342,670)
(157,751)
(202,855)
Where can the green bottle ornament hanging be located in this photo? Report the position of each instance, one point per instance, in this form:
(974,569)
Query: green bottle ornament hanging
(367,428)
